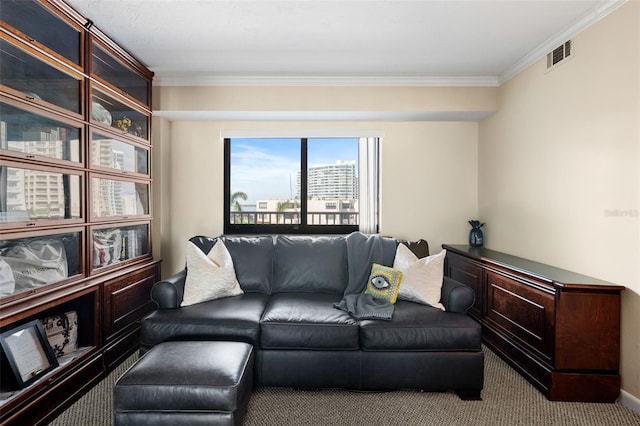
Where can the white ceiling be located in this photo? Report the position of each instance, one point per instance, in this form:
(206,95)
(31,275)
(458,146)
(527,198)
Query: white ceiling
(419,42)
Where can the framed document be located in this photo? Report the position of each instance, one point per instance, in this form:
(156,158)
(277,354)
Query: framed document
(28,352)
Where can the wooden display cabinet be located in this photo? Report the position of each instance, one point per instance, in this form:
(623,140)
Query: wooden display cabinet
(75,211)
(559,329)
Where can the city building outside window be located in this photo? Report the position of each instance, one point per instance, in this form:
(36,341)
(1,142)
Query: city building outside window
(300,185)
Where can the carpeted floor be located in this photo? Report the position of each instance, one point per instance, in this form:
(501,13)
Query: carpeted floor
(507,400)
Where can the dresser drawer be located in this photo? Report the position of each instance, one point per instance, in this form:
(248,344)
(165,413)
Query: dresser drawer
(523,312)
(127,300)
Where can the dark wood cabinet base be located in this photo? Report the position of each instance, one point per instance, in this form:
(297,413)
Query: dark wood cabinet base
(560,330)
(584,387)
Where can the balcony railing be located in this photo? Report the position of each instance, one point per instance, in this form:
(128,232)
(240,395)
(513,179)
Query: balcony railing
(293,218)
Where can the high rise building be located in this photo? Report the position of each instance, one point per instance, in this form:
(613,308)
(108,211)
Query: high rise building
(41,194)
(337,181)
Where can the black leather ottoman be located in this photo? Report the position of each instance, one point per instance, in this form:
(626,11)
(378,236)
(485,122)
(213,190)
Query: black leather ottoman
(186,383)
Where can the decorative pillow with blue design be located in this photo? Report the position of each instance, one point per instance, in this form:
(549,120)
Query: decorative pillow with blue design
(384,283)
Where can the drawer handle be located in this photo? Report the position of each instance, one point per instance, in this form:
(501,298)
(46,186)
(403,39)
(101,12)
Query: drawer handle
(31,224)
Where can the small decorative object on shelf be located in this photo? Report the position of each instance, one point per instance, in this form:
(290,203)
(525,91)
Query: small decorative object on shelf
(476,237)
(62,332)
(123,124)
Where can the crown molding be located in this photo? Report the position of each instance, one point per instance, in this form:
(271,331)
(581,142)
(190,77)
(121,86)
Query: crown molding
(365,81)
(542,50)
(310,116)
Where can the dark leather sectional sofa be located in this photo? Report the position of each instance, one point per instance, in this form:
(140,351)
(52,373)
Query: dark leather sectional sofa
(301,340)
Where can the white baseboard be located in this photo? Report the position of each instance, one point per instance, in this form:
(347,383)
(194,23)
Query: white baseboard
(630,401)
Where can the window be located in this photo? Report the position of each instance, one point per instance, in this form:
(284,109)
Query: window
(300,185)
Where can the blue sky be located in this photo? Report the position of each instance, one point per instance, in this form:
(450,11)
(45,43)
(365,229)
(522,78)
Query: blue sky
(267,168)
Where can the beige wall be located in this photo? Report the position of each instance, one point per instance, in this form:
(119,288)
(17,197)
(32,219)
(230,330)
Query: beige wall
(372,99)
(428,180)
(160,168)
(428,169)
(558,167)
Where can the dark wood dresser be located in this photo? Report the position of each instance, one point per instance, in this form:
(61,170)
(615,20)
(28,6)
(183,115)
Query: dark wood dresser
(559,329)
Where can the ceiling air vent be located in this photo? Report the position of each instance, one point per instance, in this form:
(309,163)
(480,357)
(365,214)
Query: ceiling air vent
(559,54)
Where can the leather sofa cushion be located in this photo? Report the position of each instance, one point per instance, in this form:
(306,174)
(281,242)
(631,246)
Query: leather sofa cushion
(417,327)
(252,259)
(231,318)
(310,264)
(307,321)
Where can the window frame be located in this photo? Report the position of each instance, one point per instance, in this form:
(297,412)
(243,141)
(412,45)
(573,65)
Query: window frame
(301,228)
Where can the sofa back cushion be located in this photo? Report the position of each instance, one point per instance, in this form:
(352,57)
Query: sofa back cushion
(310,264)
(252,259)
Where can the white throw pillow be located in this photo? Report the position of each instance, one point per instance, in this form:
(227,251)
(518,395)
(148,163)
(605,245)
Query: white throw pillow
(209,276)
(421,278)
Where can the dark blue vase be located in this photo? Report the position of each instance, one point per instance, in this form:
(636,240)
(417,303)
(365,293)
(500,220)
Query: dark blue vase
(476,237)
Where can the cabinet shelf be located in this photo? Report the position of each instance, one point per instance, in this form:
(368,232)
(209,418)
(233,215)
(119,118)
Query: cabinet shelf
(29,76)
(108,110)
(46,29)
(114,245)
(11,397)
(112,154)
(108,69)
(39,136)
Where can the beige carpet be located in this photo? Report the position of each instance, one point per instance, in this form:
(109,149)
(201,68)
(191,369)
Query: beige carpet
(507,400)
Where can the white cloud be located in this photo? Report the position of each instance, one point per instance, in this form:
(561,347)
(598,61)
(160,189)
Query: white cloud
(263,175)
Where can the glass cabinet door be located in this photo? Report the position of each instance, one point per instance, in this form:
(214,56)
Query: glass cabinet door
(111,112)
(117,244)
(117,74)
(39,195)
(41,26)
(27,263)
(36,80)
(110,153)
(36,135)
(113,197)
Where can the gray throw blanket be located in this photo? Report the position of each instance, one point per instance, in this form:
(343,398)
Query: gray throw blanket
(362,252)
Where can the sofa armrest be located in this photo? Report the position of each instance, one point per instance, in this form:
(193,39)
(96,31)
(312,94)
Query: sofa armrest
(456,296)
(168,293)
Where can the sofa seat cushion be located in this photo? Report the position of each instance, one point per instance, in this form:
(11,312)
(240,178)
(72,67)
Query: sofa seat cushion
(417,327)
(231,318)
(307,321)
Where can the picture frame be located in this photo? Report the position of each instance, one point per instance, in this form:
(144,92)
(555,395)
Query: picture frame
(28,352)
